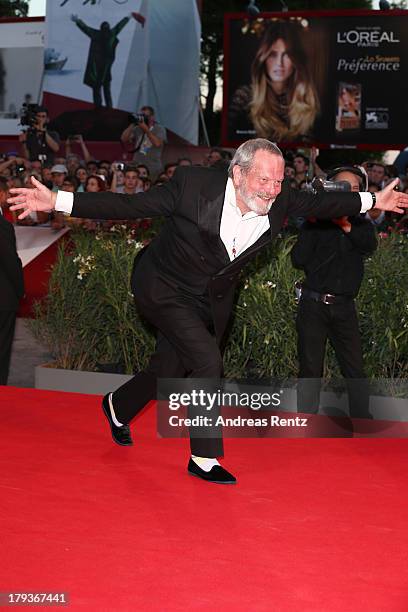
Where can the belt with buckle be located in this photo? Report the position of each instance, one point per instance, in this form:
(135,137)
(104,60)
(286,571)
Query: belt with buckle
(326,298)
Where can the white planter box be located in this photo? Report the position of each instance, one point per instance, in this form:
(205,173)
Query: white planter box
(97,383)
(74,381)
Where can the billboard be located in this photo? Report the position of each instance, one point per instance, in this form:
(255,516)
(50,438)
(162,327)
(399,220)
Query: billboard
(21,62)
(333,79)
(111,56)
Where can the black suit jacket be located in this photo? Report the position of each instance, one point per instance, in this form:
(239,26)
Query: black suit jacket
(11,269)
(188,257)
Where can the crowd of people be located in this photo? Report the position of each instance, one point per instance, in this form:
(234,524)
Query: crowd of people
(81,173)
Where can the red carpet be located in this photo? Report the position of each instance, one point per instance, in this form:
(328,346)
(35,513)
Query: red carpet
(313,525)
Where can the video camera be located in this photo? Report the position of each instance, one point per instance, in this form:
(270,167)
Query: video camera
(139,118)
(28,115)
(319,184)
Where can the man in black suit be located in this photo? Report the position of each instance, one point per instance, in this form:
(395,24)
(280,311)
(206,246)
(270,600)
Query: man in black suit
(185,280)
(11,286)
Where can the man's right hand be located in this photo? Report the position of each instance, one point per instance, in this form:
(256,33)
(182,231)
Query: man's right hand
(38,198)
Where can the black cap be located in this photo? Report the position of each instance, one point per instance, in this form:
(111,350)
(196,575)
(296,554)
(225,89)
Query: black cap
(356,170)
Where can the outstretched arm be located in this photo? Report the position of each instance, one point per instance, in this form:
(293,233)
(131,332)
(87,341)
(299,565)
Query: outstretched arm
(119,26)
(329,205)
(159,201)
(82,26)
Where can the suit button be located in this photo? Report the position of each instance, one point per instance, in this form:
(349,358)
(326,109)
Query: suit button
(202,257)
(219,296)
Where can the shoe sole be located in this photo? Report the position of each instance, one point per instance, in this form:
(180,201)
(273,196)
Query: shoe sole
(112,434)
(230,482)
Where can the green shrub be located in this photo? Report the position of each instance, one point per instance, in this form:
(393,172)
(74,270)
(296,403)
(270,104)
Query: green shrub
(89,317)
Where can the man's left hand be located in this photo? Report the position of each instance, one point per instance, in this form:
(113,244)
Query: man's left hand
(388,199)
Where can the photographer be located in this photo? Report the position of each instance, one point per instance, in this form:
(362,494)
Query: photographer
(73,160)
(38,142)
(146,138)
(117,176)
(331,253)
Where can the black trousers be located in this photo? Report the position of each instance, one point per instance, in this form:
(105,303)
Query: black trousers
(7,326)
(316,323)
(186,346)
(97,96)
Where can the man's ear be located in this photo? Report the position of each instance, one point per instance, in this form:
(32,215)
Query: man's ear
(236,175)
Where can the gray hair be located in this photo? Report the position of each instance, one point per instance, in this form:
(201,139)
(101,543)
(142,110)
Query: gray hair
(245,153)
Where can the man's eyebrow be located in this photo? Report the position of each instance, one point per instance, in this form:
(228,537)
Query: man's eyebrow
(263,176)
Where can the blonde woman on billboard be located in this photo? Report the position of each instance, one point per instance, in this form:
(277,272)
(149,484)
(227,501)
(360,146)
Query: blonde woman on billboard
(282,101)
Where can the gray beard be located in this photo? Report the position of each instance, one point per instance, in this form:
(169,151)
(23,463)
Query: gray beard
(253,205)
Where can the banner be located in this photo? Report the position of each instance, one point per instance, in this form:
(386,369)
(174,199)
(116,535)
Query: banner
(329,79)
(21,62)
(121,55)
(88,50)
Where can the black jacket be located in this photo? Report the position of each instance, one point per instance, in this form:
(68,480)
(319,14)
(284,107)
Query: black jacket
(11,269)
(188,257)
(333,261)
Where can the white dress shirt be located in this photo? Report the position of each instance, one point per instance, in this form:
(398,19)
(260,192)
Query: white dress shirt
(237,231)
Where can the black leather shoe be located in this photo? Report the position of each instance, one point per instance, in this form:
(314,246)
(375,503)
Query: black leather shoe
(217,473)
(120,435)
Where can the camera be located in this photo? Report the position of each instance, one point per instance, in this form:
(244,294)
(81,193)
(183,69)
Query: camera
(120,166)
(139,118)
(320,184)
(28,115)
